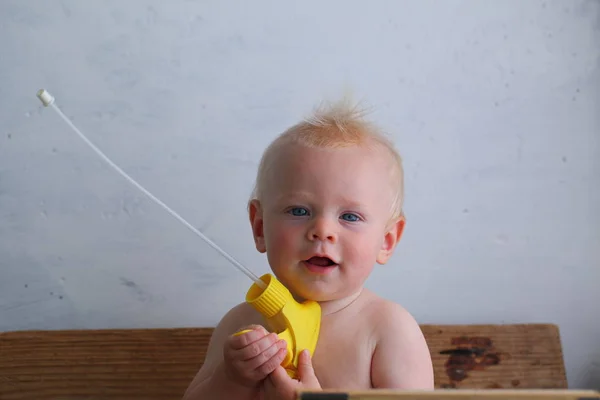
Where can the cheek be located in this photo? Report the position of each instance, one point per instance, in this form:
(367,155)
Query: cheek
(362,257)
(280,237)
(363,250)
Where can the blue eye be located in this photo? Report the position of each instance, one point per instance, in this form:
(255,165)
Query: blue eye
(350,217)
(298,212)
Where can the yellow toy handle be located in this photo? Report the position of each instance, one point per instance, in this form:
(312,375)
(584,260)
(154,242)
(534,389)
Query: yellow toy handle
(296,323)
(242,332)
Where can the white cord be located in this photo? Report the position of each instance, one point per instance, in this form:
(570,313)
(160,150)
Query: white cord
(239,266)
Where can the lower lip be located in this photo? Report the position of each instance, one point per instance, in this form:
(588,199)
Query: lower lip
(317,269)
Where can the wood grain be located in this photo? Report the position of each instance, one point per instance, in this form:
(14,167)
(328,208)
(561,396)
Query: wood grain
(160,363)
(528,356)
(100,364)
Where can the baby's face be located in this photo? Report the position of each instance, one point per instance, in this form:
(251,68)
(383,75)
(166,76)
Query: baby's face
(324,218)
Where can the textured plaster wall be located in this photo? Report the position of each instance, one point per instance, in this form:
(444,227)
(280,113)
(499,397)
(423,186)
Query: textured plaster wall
(495,107)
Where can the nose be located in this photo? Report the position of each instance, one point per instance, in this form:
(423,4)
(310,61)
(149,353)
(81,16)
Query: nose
(322,229)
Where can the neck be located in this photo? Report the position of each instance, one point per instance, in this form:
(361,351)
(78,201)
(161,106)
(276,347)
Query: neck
(333,306)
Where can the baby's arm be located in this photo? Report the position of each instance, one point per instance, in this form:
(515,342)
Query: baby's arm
(211,382)
(401,359)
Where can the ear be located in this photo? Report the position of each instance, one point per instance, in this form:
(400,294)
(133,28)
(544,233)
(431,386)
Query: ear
(256,222)
(391,239)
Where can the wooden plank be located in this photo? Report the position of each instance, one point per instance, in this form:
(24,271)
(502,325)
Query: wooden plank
(496,356)
(459,394)
(160,363)
(153,364)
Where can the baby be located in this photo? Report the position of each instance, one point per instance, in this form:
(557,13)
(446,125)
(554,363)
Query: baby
(327,206)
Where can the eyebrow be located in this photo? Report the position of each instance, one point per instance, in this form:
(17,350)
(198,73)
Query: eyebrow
(292,196)
(305,196)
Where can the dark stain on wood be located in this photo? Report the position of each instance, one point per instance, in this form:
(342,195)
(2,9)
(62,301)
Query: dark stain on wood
(474,353)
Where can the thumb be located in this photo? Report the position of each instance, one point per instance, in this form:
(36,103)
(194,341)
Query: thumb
(278,376)
(306,372)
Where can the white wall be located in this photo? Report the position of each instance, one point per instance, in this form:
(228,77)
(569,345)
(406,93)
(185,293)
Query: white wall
(494,105)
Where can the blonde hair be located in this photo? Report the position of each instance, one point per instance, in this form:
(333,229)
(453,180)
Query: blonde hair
(335,126)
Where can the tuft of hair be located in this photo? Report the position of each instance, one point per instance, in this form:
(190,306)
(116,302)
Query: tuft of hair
(337,125)
(334,125)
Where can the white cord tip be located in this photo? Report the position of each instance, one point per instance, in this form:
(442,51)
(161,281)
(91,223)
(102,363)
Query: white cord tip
(45,97)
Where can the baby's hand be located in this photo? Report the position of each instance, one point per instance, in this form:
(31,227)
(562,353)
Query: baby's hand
(251,356)
(279,386)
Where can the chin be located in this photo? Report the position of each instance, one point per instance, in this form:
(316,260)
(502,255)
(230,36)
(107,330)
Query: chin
(316,287)
(313,292)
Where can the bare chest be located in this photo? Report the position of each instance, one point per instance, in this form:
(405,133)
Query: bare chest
(342,358)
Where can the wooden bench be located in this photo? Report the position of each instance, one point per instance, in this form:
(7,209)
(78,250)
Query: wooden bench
(160,363)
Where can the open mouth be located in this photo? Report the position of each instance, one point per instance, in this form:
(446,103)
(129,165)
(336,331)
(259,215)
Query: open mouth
(320,262)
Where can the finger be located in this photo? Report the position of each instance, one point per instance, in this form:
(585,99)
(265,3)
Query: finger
(263,370)
(257,347)
(278,377)
(255,332)
(265,355)
(306,372)
(267,384)
(272,364)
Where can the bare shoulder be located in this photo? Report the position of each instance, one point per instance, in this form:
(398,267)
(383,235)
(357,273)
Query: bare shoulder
(238,317)
(401,358)
(390,318)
